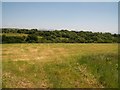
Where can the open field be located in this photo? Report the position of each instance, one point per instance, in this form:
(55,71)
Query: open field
(60,65)
(13,34)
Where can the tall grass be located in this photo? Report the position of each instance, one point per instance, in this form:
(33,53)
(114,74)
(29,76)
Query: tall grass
(60,66)
(104,67)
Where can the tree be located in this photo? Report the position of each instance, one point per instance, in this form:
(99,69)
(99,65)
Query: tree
(31,38)
(58,36)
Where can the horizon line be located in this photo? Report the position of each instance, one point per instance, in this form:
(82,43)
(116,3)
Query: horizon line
(44,29)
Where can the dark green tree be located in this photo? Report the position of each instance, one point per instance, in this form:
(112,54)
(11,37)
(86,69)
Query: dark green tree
(31,38)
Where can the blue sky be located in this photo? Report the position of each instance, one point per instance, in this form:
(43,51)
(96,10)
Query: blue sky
(86,16)
(59,0)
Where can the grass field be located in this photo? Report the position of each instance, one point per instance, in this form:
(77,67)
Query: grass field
(60,65)
(13,34)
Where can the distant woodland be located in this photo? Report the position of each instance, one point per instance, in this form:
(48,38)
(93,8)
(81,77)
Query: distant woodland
(57,36)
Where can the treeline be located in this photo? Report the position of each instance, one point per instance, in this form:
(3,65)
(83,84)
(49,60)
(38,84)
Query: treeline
(57,36)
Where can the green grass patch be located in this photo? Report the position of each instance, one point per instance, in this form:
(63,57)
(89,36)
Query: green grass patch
(104,67)
(13,34)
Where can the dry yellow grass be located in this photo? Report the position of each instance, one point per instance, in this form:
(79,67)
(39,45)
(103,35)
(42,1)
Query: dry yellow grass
(47,52)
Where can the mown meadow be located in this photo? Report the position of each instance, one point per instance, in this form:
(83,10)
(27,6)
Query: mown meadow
(60,65)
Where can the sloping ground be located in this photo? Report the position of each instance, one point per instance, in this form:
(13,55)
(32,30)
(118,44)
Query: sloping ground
(13,34)
(60,65)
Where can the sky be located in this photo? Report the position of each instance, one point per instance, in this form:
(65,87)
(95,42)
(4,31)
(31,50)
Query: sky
(0,14)
(60,0)
(85,16)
